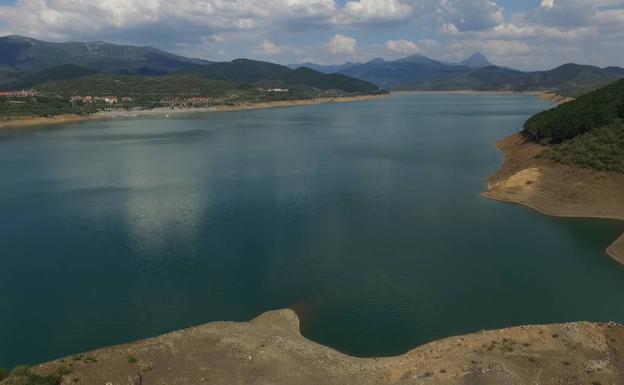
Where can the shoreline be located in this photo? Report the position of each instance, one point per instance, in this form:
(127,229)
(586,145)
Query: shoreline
(270,349)
(556,190)
(544,95)
(167,111)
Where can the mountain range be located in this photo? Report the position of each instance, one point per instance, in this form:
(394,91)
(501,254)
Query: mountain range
(418,72)
(27,63)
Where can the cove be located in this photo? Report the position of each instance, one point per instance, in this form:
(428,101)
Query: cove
(364,217)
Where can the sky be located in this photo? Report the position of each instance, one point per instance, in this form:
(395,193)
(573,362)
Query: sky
(524,34)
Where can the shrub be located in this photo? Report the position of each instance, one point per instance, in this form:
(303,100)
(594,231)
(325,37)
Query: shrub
(601,149)
(20,371)
(63,370)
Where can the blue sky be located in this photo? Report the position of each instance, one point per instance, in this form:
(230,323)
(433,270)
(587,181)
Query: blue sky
(527,34)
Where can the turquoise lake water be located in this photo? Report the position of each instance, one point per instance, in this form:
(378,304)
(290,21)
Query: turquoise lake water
(364,217)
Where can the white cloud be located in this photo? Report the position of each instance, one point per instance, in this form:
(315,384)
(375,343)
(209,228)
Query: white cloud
(373,11)
(267,47)
(402,46)
(209,28)
(563,13)
(71,18)
(463,15)
(548,3)
(342,45)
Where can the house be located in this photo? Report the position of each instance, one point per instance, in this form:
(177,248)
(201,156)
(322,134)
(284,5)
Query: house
(23,94)
(106,99)
(83,99)
(126,99)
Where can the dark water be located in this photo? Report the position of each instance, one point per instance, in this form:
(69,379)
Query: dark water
(365,217)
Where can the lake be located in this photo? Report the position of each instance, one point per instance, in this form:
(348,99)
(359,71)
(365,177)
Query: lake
(366,218)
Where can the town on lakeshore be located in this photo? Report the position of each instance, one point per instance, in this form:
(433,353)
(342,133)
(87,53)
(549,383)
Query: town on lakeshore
(312,192)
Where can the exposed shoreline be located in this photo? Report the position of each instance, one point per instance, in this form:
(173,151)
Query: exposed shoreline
(557,190)
(271,350)
(167,111)
(544,95)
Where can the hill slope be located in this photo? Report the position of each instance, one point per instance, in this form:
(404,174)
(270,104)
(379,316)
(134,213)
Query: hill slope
(62,72)
(274,75)
(135,85)
(568,80)
(590,111)
(31,55)
(396,74)
(271,350)
(418,72)
(477,60)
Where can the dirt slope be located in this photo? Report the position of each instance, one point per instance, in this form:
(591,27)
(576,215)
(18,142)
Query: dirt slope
(555,189)
(270,350)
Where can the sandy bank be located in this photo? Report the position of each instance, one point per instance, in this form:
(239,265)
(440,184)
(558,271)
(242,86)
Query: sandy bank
(165,111)
(549,96)
(38,121)
(616,250)
(555,189)
(270,350)
(552,97)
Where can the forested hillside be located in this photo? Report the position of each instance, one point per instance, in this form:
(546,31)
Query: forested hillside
(590,111)
(587,132)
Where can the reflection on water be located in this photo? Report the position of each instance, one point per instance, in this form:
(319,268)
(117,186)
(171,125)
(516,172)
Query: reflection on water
(365,217)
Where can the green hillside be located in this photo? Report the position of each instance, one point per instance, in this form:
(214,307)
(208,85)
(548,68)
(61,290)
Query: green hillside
(8,75)
(587,132)
(274,75)
(568,80)
(40,106)
(31,55)
(595,109)
(62,72)
(135,85)
(601,149)
(478,79)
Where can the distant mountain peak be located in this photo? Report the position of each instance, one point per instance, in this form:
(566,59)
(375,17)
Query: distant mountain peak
(377,60)
(414,57)
(476,60)
(420,60)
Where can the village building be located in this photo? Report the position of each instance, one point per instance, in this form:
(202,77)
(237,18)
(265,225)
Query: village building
(83,99)
(18,94)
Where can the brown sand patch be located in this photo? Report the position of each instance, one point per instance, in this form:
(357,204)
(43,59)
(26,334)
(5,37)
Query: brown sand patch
(270,350)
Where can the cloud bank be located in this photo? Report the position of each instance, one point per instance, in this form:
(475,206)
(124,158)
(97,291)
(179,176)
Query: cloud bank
(329,31)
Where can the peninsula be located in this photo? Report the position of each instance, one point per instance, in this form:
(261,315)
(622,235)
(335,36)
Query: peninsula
(271,350)
(569,161)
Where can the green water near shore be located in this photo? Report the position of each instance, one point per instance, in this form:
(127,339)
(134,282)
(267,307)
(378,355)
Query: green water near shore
(364,217)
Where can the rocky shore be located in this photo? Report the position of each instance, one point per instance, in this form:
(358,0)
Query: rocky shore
(558,190)
(270,350)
